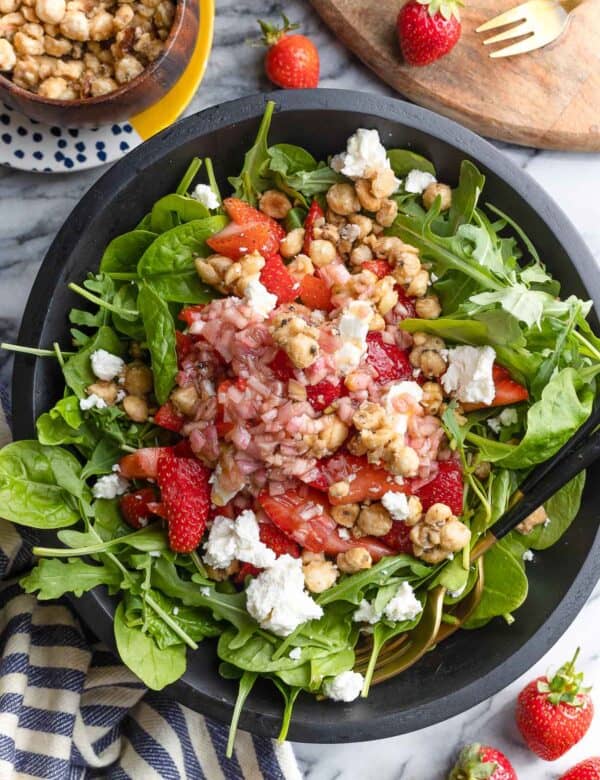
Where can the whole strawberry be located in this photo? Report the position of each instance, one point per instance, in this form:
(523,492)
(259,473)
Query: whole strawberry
(292,61)
(554,714)
(428,29)
(481,762)
(586,770)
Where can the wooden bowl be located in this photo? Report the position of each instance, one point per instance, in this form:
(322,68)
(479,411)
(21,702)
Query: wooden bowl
(131,98)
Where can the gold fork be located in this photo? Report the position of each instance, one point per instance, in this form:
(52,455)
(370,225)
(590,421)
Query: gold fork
(542,21)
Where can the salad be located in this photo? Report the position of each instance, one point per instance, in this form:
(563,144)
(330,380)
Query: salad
(290,413)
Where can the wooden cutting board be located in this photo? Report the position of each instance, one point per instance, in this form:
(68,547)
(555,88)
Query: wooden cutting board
(549,98)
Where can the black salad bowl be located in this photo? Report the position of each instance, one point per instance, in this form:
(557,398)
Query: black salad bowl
(471,665)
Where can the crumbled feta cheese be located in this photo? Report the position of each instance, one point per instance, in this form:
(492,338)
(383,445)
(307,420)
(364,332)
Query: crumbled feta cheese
(175,610)
(121,394)
(366,613)
(206,196)
(364,154)
(259,298)
(418,181)
(412,389)
(396,504)
(110,486)
(276,598)
(547,522)
(239,539)
(218,494)
(343,533)
(105,365)
(344,687)
(506,417)
(456,593)
(295,653)
(93,401)
(154,553)
(354,327)
(205,591)
(528,555)
(399,479)
(404,605)
(469,375)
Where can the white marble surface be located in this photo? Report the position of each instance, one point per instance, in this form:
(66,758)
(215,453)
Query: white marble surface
(32,208)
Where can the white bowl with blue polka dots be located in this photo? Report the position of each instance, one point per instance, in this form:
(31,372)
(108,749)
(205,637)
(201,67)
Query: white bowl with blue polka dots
(31,146)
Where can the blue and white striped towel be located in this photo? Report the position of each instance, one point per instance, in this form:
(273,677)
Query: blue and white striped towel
(69,710)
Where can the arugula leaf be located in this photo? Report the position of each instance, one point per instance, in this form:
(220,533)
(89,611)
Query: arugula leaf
(403,161)
(38,485)
(160,336)
(189,176)
(311,183)
(103,457)
(246,684)
(561,509)
(124,252)
(352,588)
(78,371)
(251,181)
(53,578)
(173,210)
(126,299)
(156,668)
(168,263)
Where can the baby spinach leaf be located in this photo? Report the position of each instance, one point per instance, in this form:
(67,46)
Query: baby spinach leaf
(466,195)
(53,578)
(155,667)
(104,456)
(562,509)
(252,181)
(173,210)
(287,159)
(403,161)
(168,264)
(295,218)
(505,586)
(64,424)
(124,252)
(108,522)
(552,420)
(38,485)
(160,337)
(78,371)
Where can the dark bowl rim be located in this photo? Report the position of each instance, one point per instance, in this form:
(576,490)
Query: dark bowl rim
(252,107)
(10,88)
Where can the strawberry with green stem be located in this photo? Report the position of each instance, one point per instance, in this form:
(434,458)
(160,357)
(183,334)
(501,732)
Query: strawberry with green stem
(428,29)
(292,61)
(481,762)
(554,713)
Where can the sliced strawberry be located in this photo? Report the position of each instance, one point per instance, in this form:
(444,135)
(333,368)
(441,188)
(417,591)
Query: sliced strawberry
(278,280)
(190,314)
(366,480)
(408,304)
(315,293)
(390,362)
(278,541)
(185,494)
(374,545)
(507,390)
(246,570)
(142,464)
(184,344)
(168,417)
(243,213)
(135,507)
(380,268)
(315,212)
(324,393)
(235,240)
(282,366)
(445,488)
(302,515)
(398,538)
(183,449)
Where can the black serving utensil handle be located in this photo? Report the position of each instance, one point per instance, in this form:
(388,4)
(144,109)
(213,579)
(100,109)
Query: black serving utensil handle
(570,464)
